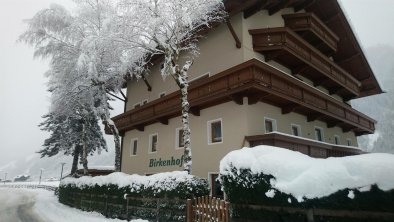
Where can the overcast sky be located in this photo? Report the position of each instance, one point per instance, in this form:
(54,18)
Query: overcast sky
(23,96)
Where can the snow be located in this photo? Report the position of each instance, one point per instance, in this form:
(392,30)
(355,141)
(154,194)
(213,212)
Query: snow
(46,183)
(48,207)
(312,140)
(157,182)
(102,167)
(305,177)
(270,193)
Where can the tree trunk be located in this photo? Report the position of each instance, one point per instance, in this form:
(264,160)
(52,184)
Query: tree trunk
(77,152)
(85,151)
(115,133)
(185,124)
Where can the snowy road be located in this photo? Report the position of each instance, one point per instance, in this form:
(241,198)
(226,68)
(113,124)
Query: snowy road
(22,205)
(17,206)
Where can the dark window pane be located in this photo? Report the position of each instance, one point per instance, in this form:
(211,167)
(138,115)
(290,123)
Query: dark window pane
(154,143)
(135,144)
(318,134)
(295,130)
(268,126)
(216,130)
(181,142)
(336,140)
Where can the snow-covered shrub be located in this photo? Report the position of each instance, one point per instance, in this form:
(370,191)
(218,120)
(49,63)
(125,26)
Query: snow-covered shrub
(108,193)
(273,176)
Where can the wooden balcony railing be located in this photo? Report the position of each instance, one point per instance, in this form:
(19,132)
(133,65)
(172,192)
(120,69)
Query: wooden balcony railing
(258,82)
(309,147)
(313,30)
(286,47)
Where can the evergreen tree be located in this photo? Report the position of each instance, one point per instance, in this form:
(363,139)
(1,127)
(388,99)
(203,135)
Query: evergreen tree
(77,135)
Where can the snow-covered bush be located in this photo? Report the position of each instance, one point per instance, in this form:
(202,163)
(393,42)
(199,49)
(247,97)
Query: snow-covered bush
(273,176)
(168,187)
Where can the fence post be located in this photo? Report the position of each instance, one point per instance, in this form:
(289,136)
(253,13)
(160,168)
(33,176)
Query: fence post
(127,208)
(157,209)
(227,212)
(189,210)
(309,215)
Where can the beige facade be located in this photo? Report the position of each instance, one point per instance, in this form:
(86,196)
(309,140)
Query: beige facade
(217,53)
(237,121)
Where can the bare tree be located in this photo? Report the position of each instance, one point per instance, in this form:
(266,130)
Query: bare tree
(171,29)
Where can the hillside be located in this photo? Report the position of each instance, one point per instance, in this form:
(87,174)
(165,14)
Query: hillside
(380,107)
(32,164)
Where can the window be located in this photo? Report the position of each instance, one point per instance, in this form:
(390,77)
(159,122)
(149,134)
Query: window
(336,139)
(133,147)
(270,125)
(215,131)
(144,102)
(296,130)
(349,142)
(161,95)
(319,133)
(216,187)
(153,143)
(179,138)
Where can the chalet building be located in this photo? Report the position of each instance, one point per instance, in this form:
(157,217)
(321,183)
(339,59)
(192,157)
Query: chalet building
(280,73)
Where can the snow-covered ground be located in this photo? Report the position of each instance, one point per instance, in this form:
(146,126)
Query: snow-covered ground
(46,183)
(303,176)
(47,208)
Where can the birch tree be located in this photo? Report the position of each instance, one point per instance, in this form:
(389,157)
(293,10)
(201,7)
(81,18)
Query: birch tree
(83,66)
(171,29)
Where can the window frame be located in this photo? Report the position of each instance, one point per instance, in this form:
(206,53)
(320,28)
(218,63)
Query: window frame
(177,138)
(274,126)
(209,131)
(321,133)
(132,147)
(150,142)
(211,182)
(349,142)
(298,129)
(335,139)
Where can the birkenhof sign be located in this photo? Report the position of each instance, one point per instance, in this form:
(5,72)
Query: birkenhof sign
(166,162)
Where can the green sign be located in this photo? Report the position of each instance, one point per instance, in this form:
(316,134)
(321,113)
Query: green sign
(168,162)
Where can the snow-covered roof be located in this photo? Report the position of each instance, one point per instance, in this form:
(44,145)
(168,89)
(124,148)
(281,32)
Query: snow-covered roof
(302,176)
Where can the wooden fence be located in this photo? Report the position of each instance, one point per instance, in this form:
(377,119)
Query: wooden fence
(207,209)
(30,186)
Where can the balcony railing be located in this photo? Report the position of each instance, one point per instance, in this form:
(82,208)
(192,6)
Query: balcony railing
(286,47)
(306,146)
(313,30)
(258,82)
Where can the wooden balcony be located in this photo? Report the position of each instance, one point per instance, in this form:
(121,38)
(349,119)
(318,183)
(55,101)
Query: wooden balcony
(309,147)
(286,47)
(313,30)
(258,82)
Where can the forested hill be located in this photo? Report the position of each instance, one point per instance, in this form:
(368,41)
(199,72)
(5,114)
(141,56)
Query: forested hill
(380,107)
(32,164)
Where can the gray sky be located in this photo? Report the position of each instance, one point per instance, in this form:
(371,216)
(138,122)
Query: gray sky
(23,96)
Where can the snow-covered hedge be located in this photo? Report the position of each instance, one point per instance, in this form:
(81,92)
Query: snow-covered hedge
(266,175)
(176,185)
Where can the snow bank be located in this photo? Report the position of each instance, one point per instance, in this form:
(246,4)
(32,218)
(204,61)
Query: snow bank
(302,176)
(48,207)
(159,182)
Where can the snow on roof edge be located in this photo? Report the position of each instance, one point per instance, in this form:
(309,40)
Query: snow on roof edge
(305,177)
